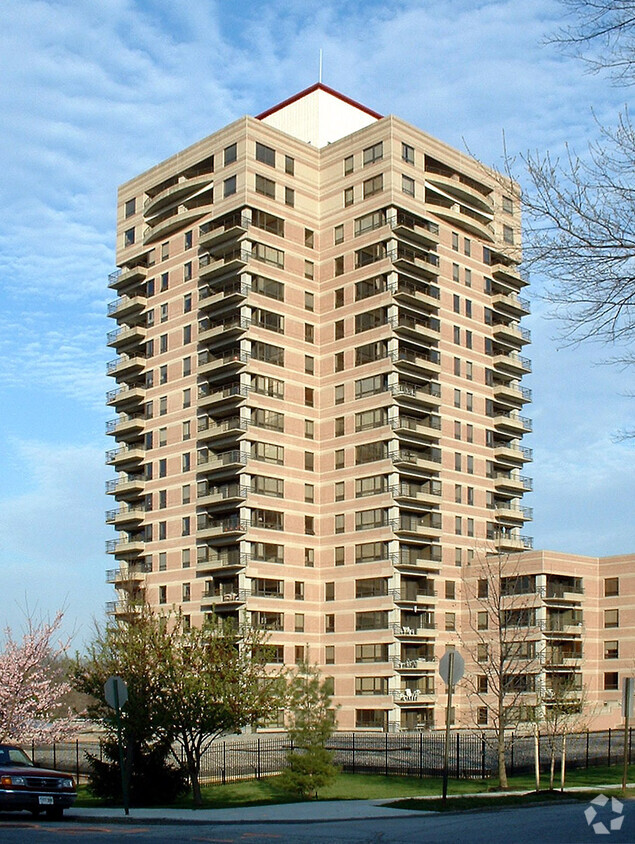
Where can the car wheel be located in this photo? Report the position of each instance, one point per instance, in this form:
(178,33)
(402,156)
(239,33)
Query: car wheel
(55,814)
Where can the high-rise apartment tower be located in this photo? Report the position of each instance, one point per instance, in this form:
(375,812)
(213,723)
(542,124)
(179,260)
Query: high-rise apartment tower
(318,392)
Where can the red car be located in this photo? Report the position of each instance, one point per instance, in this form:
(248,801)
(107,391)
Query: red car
(25,786)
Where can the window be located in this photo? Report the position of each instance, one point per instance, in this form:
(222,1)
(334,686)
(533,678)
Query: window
(129,237)
(339,426)
(457,398)
(187,397)
(450,589)
(450,621)
(309,429)
(371,419)
(611,681)
(309,396)
(185,558)
(329,623)
(309,238)
(407,153)
(229,154)
(467,246)
(339,265)
(340,491)
(163,530)
(163,374)
(457,493)
(481,714)
(408,185)
(369,452)
(371,685)
(163,343)
(267,287)
(309,461)
(265,154)
(187,241)
(187,303)
(163,405)
(455,272)
(348,165)
(373,153)
(185,494)
(469,369)
(469,401)
(340,523)
(377,620)
(339,361)
(299,622)
(508,205)
(309,557)
(508,235)
(187,334)
(457,335)
(309,525)
(163,436)
(309,365)
(369,519)
(458,556)
(309,493)
(483,588)
(470,527)
(187,274)
(268,453)
(349,199)
(185,526)
(289,196)
(455,241)
(456,300)
(263,485)
(338,236)
(329,591)
(373,186)
(163,594)
(339,297)
(482,620)
(458,462)
(482,652)
(187,366)
(309,300)
(339,458)
(339,555)
(265,186)
(611,649)
(229,186)
(130,207)
(611,618)
(186,462)
(164,312)
(289,165)
(611,587)
(163,499)
(468,339)
(329,655)
(468,278)
(470,465)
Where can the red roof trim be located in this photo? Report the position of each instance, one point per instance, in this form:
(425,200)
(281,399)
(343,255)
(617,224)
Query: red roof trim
(318,87)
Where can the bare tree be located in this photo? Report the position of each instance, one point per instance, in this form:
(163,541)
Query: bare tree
(500,643)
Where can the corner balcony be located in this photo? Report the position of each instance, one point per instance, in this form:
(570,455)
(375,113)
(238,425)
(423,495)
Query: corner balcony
(133,573)
(127,335)
(458,215)
(427,559)
(416,293)
(510,543)
(225,463)
(227,329)
(511,333)
(131,515)
(512,423)
(127,425)
(512,363)
(417,395)
(208,528)
(124,277)
(230,294)
(422,231)
(130,546)
(179,218)
(413,665)
(125,396)
(209,561)
(513,512)
(512,304)
(429,525)
(422,329)
(511,393)
(221,397)
(428,460)
(422,362)
(509,482)
(416,262)
(222,364)
(123,609)
(126,365)
(511,453)
(229,495)
(125,455)
(424,627)
(426,426)
(126,306)
(130,486)
(414,696)
(184,188)
(508,274)
(216,266)
(428,494)
(222,430)
(565,625)
(424,595)
(220,599)
(460,189)
(214,233)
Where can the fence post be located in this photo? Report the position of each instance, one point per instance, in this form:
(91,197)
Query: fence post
(54,754)
(77,758)
(511,772)
(420,755)
(609,748)
(630,743)
(483,756)
(224,777)
(587,749)
(458,750)
(33,750)
(386,755)
(353,747)
(258,774)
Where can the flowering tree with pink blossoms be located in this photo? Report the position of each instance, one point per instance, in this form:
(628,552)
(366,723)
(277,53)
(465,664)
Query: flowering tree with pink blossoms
(32,685)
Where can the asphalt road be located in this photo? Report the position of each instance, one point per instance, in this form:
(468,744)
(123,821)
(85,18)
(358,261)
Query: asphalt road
(536,825)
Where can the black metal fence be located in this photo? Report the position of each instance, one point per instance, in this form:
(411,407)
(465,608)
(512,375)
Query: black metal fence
(472,755)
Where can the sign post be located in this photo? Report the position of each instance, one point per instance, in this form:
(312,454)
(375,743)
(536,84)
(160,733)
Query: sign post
(451,669)
(627,711)
(116,694)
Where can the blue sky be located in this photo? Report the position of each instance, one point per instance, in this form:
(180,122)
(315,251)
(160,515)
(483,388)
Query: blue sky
(94,93)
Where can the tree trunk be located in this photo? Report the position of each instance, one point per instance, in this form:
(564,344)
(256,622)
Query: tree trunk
(537,757)
(193,774)
(502,764)
(552,765)
(563,761)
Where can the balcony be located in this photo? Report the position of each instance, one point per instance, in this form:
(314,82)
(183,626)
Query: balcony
(458,215)
(211,430)
(126,306)
(460,188)
(511,303)
(427,426)
(214,233)
(512,363)
(508,274)
(511,453)
(506,481)
(423,362)
(126,365)
(230,495)
(230,328)
(208,528)
(220,598)
(183,189)
(510,542)
(216,266)
(429,525)
(127,335)
(230,294)
(428,460)
(413,228)
(511,333)
(126,426)
(511,393)
(166,223)
(227,462)
(232,394)
(567,625)
(127,487)
(414,664)
(125,396)
(422,329)
(423,595)
(123,609)
(415,261)
(423,628)
(507,510)
(417,394)
(211,561)
(428,559)
(223,364)
(411,696)
(132,573)
(423,495)
(124,277)
(130,546)
(512,422)
(125,455)
(416,293)
(130,515)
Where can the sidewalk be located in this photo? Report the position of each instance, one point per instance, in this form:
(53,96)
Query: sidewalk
(308,812)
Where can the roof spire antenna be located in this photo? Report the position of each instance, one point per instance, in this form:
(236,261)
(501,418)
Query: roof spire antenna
(320,74)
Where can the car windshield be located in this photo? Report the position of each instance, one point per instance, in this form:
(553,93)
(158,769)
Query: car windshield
(14,756)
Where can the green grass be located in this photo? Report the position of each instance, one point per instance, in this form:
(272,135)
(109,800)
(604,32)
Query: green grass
(268,791)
